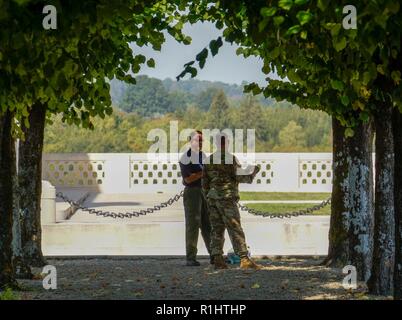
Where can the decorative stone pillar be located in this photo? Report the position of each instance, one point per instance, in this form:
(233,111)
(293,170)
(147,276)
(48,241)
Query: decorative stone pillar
(48,203)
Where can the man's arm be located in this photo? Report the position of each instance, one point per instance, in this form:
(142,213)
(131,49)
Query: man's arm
(187,176)
(248,178)
(193,177)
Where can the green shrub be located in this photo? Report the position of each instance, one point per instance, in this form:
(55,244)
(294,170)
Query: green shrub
(8,294)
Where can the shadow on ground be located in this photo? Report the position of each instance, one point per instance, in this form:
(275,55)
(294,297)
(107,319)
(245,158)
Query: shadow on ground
(168,278)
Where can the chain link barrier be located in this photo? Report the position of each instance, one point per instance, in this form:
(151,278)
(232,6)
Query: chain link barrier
(177,197)
(279,215)
(121,215)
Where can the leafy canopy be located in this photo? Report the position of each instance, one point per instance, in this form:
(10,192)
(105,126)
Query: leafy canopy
(68,69)
(322,65)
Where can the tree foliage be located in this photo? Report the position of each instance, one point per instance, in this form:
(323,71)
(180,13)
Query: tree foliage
(147,97)
(122,132)
(152,97)
(67,71)
(323,65)
(68,68)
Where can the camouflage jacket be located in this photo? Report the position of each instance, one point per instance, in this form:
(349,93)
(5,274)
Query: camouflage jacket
(220,181)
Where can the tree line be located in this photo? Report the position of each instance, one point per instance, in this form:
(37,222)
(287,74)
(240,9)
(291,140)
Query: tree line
(151,97)
(280,127)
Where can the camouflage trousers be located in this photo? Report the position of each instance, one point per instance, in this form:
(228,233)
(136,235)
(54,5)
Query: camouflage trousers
(197,218)
(224,214)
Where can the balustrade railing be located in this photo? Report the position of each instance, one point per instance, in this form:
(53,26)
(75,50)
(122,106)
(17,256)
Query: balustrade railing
(140,173)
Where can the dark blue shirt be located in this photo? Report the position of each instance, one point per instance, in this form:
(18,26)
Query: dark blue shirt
(191,162)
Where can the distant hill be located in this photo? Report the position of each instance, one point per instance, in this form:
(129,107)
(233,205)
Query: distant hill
(155,97)
(195,87)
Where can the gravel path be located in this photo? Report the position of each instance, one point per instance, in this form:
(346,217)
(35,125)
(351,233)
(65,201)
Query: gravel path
(168,278)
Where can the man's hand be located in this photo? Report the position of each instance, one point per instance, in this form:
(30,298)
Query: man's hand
(193,177)
(256,170)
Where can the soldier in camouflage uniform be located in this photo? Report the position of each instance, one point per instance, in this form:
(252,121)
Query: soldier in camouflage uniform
(220,183)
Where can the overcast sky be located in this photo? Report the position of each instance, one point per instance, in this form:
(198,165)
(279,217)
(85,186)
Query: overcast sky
(226,66)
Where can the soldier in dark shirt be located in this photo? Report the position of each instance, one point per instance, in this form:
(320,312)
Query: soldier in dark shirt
(195,206)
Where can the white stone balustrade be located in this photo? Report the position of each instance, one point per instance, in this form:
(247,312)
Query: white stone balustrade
(140,173)
(132,176)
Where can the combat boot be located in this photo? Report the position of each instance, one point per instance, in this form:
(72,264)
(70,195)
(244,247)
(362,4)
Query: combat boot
(247,263)
(219,262)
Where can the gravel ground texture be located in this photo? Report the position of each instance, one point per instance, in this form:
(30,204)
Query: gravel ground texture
(169,278)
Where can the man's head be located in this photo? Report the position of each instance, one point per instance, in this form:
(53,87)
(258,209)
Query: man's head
(196,140)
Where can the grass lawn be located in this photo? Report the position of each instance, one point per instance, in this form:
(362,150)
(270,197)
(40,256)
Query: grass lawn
(283,196)
(285,207)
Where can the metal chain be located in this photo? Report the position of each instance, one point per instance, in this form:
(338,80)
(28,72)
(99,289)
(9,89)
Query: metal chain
(121,215)
(286,214)
(177,197)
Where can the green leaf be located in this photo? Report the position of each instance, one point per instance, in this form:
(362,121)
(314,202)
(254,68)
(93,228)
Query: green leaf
(335,28)
(380,69)
(214,46)
(202,55)
(293,76)
(285,4)
(322,4)
(266,69)
(303,34)
(345,100)
(301,2)
(263,23)
(367,77)
(151,63)
(293,30)
(396,76)
(268,12)
(189,64)
(339,43)
(187,40)
(349,133)
(219,25)
(381,19)
(304,17)
(337,85)
(192,71)
(393,7)
(274,53)
(278,20)
(364,116)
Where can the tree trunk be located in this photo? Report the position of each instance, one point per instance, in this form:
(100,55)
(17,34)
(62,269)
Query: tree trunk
(351,225)
(6,201)
(21,270)
(338,251)
(30,186)
(398,203)
(361,200)
(381,280)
